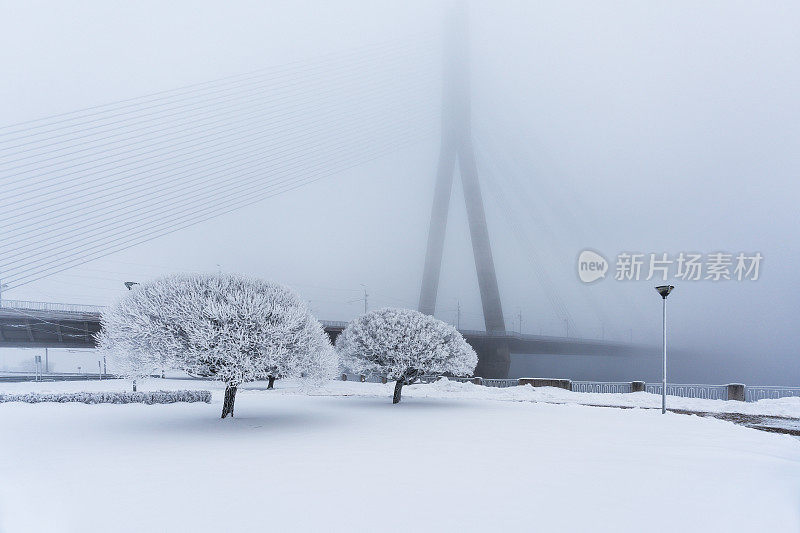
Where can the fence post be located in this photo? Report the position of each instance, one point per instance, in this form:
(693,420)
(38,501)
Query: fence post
(384,380)
(344,377)
(736,391)
(637,386)
(362,378)
(477,381)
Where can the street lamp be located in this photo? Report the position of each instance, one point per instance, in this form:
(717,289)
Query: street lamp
(664,291)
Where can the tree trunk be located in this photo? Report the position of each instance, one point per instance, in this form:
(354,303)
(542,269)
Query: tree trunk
(398,389)
(271,382)
(134,385)
(230,397)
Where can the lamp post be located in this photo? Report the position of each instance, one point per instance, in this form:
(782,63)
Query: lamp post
(365,298)
(129,285)
(664,291)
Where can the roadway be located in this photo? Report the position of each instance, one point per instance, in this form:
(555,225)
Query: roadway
(51,325)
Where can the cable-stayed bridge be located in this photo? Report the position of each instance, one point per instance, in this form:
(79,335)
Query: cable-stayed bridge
(86,184)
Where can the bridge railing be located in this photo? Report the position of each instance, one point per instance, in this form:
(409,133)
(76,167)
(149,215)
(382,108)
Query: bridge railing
(334,323)
(50,306)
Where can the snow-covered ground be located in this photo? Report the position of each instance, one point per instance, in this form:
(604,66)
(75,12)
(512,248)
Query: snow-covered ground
(444,389)
(450,457)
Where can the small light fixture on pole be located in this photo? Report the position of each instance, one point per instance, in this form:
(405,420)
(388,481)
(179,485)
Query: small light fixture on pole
(664,291)
(129,284)
(365,298)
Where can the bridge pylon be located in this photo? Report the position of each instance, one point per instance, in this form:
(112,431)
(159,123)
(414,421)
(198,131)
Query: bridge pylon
(456,147)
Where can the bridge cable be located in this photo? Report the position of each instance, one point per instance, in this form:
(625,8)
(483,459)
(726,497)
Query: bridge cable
(213,188)
(177,187)
(214,198)
(37,273)
(235,138)
(544,280)
(323,60)
(159,145)
(385,61)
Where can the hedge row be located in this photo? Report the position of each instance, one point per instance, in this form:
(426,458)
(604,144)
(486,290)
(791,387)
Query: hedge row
(145,397)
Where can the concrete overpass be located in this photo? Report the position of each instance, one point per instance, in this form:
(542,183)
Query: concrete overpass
(53,325)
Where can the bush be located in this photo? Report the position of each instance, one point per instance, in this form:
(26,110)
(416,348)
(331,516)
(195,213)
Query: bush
(149,398)
(404,345)
(231,328)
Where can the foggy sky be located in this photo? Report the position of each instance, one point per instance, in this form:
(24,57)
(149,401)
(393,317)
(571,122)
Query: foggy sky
(615,126)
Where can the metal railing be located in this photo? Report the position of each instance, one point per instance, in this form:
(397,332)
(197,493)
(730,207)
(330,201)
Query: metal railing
(51,306)
(766,392)
(500,382)
(601,386)
(334,323)
(461,380)
(694,390)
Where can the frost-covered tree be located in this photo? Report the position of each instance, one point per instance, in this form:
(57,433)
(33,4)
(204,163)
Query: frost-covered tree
(402,345)
(232,328)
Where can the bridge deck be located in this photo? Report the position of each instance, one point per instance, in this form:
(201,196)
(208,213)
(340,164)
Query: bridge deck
(40,324)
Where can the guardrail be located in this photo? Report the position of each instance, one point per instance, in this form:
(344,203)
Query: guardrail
(767,392)
(27,305)
(615,387)
(50,306)
(334,323)
(691,390)
(12,377)
(694,390)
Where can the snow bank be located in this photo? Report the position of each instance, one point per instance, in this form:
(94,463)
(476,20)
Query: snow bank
(351,461)
(443,389)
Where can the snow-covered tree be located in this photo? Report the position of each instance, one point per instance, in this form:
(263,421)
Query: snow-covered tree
(402,345)
(232,328)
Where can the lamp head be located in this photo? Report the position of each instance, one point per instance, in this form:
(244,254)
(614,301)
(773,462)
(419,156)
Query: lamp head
(129,284)
(664,290)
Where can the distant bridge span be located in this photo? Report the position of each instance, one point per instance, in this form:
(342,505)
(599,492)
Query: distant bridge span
(54,325)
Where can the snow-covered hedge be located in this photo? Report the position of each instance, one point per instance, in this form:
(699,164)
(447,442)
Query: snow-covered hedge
(149,398)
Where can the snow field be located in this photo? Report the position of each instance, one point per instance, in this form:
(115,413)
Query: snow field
(785,407)
(344,458)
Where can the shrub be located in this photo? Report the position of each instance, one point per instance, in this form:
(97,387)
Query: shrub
(149,398)
(402,345)
(232,328)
